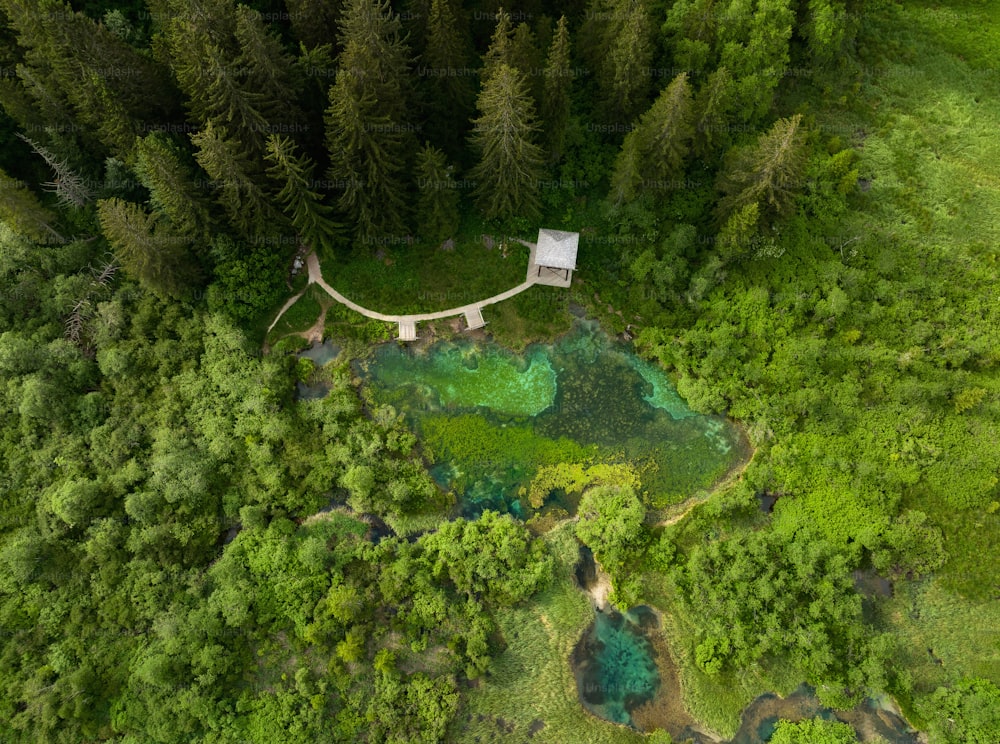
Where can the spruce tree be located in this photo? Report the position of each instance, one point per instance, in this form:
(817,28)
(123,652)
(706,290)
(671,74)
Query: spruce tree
(555,105)
(24,214)
(161,166)
(303,206)
(268,69)
(448,86)
(713,110)
(768,172)
(510,163)
(438,203)
(499,51)
(366,160)
(624,68)
(147,249)
(235,179)
(653,153)
(68,186)
(526,58)
(314,22)
(367,134)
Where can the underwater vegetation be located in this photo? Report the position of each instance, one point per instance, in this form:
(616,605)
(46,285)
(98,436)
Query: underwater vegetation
(490,419)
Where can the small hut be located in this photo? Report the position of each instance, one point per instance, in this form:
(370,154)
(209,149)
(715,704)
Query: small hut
(556,252)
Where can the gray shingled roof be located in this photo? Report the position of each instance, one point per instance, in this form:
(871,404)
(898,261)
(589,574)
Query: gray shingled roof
(557,249)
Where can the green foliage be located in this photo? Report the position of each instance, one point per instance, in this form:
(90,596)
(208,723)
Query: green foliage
(303,206)
(611,524)
(813,731)
(509,166)
(247,278)
(968,712)
(437,208)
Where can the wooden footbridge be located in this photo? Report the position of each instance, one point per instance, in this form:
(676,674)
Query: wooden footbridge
(544,273)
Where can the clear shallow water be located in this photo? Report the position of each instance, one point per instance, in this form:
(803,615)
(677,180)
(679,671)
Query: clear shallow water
(489,418)
(615,664)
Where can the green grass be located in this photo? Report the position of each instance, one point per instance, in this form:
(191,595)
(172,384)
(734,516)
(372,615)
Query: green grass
(421,278)
(302,315)
(532,679)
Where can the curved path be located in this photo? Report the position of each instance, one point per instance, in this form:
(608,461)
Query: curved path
(473,312)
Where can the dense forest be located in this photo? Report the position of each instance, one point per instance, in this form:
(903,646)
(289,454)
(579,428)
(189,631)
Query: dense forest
(791,205)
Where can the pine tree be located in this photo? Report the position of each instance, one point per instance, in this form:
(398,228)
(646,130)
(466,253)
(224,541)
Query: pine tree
(147,249)
(438,204)
(112,88)
(368,138)
(527,59)
(713,107)
(448,87)
(24,214)
(314,22)
(303,206)
(366,161)
(235,179)
(200,45)
(768,172)
(624,71)
(509,167)
(655,150)
(555,106)
(161,166)
(755,49)
(499,51)
(268,68)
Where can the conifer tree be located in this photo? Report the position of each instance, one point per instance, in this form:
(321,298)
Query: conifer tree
(366,131)
(768,172)
(655,150)
(160,165)
(234,176)
(555,105)
(713,109)
(438,203)
(112,88)
(526,58)
(303,206)
(314,22)
(510,162)
(623,74)
(23,213)
(268,68)
(448,87)
(147,249)
(499,51)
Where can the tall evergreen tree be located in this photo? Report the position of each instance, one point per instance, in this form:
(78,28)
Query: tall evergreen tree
(445,68)
(499,51)
(555,105)
(268,68)
(437,207)
(510,163)
(768,172)
(114,89)
(24,214)
(368,137)
(303,206)
(235,179)
(526,57)
(653,153)
(314,22)
(147,249)
(713,109)
(624,70)
(161,166)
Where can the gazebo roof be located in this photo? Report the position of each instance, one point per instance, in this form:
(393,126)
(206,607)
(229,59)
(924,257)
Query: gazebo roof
(556,249)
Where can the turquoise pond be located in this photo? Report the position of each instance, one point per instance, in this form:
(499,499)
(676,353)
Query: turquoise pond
(488,418)
(615,665)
